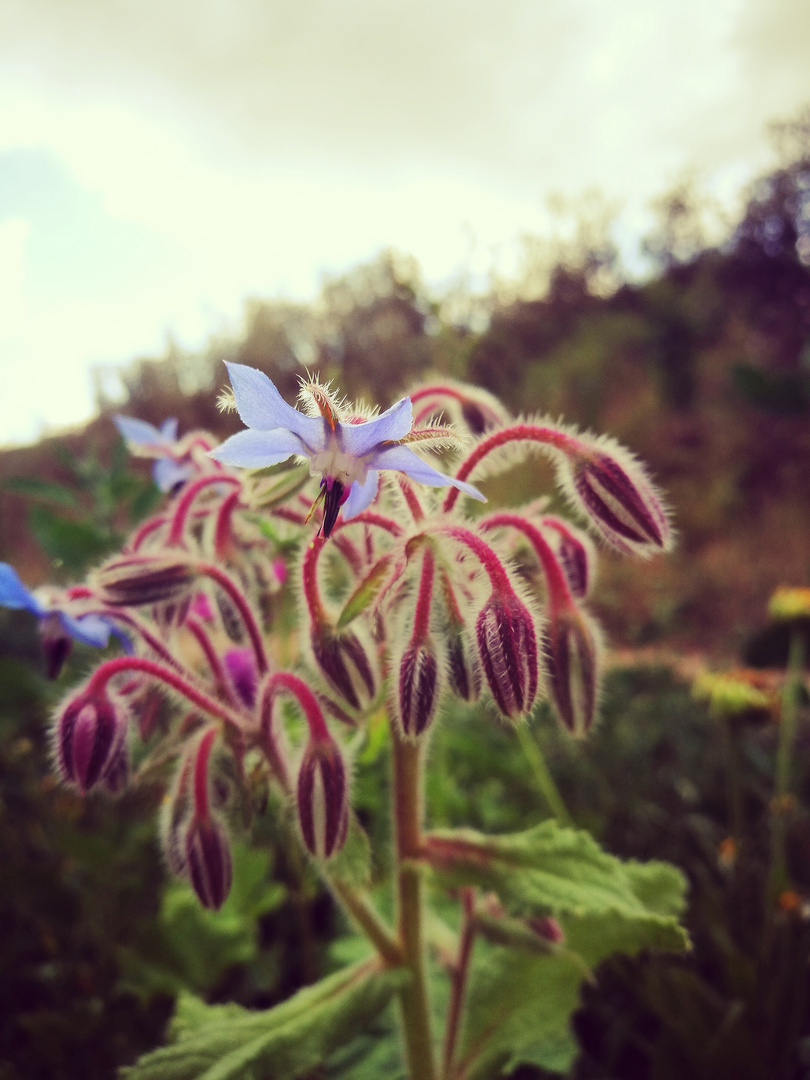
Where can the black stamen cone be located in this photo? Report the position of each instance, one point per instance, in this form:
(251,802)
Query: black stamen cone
(331,505)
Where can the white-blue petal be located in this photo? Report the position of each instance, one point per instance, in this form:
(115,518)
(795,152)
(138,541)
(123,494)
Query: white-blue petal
(168,429)
(405,460)
(167,473)
(263,408)
(13,594)
(139,432)
(257,449)
(88,629)
(361,496)
(393,425)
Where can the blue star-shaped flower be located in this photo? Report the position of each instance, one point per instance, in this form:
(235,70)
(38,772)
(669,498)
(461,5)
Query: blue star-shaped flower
(348,456)
(56,625)
(167,472)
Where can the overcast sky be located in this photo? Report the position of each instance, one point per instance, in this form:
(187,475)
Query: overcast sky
(160,160)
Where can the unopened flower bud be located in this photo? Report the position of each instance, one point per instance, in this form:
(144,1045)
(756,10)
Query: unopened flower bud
(116,776)
(88,735)
(571,659)
(346,663)
(56,644)
(208,861)
(547,928)
(135,580)
(240,665)
(463,669)
(323,797)
(507,645)
(418,688)
(621,502)
(574,553)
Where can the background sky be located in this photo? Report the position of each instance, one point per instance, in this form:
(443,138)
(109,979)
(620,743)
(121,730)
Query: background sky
(160,160)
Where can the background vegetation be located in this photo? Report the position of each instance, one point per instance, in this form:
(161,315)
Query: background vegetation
(704,370)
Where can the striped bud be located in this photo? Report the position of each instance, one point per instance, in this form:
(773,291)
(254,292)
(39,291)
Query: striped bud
(571,660)
(208,861)
(240,665)
(56,644)
(345,663)
(622,503)
(463,669)
(418,688)
(507,645)
(136,580)
(323,797)
(88,737)
(574,554)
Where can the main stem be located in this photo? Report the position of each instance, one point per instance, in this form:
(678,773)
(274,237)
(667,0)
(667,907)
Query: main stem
(414,1003)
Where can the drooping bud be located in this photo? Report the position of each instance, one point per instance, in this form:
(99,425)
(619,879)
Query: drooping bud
(547,927)
(621,502)
(136,580)
(464,671)
(574,553)
(507,645)
(571,660)
(323,797)
(116,776)
(208,861)
(88,736)
(240,665)
(345,663)
(56,644)
(418,688)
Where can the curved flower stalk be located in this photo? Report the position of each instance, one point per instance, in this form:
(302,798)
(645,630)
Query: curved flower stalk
(402,599)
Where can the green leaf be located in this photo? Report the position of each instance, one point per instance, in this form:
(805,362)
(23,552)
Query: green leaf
(41,490)
(551,869)
(281,487)
(226,1042)
(518,1008)
(365,592)
(520,1001)
(352,864)
(73,544)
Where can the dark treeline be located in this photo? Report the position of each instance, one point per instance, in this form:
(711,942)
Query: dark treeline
(703,369)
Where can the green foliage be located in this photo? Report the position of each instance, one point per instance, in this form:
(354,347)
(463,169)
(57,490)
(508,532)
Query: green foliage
(554,870)
(194,947)
(225,1042)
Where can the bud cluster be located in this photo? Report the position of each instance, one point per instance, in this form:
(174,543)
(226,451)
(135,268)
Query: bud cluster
(398,597)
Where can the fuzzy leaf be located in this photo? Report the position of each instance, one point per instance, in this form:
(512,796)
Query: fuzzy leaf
(352,864)
(520,1000)
(226,1042)
(550,869)
(365,593)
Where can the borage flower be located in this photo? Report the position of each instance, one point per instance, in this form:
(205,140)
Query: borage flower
(160,443)
(56,626)
(348,451)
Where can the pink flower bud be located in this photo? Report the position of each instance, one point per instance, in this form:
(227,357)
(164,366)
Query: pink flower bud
(507,645)
(56,644)
(88,736)
(547,928)
(621,502)
(323,797)
(345,663)
(208,861)
(136,580)
(240,665)
(571,660)
(574,553)
(463,669)
(418,696)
